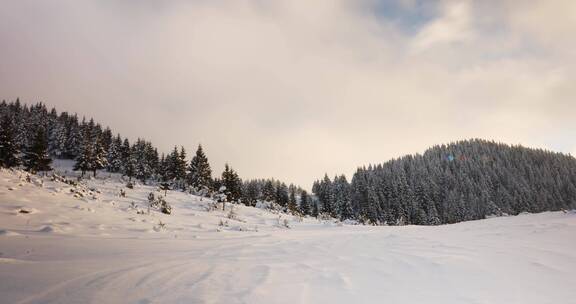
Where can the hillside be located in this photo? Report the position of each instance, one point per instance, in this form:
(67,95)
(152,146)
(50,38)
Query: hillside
(461,181)
(61,243)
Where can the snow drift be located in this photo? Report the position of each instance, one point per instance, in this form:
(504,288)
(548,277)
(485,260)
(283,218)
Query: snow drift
(99,247)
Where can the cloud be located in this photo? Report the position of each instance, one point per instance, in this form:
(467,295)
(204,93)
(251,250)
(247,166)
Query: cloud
(452,26)
(294,89)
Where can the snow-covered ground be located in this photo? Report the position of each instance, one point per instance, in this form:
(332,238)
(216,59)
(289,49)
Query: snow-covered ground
(59,246)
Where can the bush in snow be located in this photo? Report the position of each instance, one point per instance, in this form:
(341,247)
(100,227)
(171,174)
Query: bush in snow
(165,207)
(161,204)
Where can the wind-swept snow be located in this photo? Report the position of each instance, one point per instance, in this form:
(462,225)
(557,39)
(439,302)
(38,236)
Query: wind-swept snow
(59,246)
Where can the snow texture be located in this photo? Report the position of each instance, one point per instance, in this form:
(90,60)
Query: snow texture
(86,244)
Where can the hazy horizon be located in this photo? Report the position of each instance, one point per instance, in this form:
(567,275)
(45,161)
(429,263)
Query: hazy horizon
(293,90)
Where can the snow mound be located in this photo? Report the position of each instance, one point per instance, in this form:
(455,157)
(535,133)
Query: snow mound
(8,233)
(25,211)
(50,229)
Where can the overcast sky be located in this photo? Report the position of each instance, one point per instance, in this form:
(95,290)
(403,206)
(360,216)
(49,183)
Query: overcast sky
(292,88)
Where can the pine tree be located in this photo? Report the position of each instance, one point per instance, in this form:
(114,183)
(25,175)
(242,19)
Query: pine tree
(85,158)
(324,191)
(175,164)
(171,164)
(433,218)
(200,174)
(250,193)
(73,140)
(269,191)
(292,203)
(9,154)
(99,161)
(145,159)
(129,168)
(233,184)
(92,156)
(57,137)
(305,203)
(36,157)
(128,160)
(282,196)
(114,156)
(161,169)
(181,165)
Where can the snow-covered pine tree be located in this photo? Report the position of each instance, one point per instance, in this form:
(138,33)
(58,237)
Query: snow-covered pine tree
(324,192)
(9,153)
(73,138)
(129,168)
(161,169)
(282,196)
(342,203)
(36,158)
(176,166)
(181,166)
(171,164)
(305,207)
(114,156)
(233,184)
(199,172)
(84,159)
(250,192)
(292,203)
(57,137)
(269,191)
(99,161)
(106,139)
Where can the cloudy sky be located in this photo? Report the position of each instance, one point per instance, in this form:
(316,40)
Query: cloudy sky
(294,88)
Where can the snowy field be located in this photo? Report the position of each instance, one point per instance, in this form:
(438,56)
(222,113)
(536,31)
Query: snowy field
(85,244)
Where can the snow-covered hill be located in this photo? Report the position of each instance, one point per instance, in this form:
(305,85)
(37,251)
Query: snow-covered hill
(61,243)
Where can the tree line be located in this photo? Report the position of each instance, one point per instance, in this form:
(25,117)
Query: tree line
(461,181)
(31,136)
(464,180)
